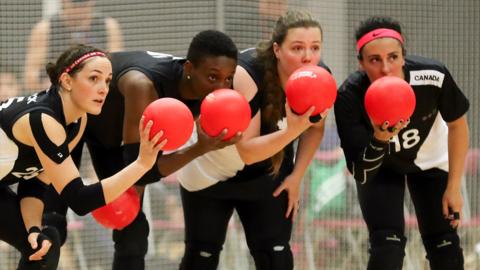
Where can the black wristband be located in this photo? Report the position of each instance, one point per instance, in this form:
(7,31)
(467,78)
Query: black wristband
(315,118)
(34,229)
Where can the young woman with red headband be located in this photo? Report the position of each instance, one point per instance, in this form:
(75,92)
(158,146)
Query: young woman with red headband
(37,133)
(426,152)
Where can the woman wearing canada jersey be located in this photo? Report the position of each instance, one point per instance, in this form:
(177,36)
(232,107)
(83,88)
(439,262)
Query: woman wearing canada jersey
(426,152)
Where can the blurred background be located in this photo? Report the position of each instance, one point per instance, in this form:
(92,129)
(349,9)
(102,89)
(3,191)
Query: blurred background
(329,232)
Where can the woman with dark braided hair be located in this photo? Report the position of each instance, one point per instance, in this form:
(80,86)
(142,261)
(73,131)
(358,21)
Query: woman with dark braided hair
(37,133)
(257,176)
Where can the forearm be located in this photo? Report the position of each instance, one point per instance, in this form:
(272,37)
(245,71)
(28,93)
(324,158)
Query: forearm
(170,163)
(307,146)
(457,150)
(259,148)
(32,210)
(118,183)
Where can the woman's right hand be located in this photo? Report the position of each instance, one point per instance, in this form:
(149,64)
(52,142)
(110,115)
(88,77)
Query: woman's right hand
(43,250)
(298,123)
(208,143)
(149,149)
(385,133)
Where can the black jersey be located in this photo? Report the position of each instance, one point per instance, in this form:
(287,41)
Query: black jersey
(165,71)
(17,160)
(422,145)
(247,60)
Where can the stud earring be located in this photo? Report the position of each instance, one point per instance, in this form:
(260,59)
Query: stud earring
(188,77)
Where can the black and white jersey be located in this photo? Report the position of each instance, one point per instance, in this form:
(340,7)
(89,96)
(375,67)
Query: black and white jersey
(164,70)
(423,144)
(17,160)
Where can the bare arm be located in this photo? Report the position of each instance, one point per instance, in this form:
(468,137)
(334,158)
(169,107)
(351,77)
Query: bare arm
(62,174)
(457,150)
(115,36)
(36,56)
(307,146)
(32,210)
(253,147)
(138,91)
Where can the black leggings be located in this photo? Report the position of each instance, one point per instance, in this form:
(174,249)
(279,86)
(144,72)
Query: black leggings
(382,203)
(12,231)
(207,213)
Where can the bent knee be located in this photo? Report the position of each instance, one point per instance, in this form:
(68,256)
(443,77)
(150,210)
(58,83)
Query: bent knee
(272,256)
(201,256)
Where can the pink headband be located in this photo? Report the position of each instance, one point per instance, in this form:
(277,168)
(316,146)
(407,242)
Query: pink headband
(378,33)
(83,58)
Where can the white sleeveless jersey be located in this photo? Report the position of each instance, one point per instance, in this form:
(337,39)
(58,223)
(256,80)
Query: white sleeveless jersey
(210,168)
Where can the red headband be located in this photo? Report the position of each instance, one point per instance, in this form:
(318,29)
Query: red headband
(378,33)
(83,58)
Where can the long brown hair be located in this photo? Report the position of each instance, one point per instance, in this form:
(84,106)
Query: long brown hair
(274,97)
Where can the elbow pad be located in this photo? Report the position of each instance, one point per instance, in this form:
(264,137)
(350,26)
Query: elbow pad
(31,188)
(83,199)
(130,154)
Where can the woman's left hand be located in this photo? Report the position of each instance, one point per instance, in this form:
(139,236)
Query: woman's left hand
(291,184)
(452,203)
(42,251)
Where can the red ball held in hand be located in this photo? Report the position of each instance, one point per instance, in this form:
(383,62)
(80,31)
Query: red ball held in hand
(389,99)
(310,86)
(224,109)
(173,117)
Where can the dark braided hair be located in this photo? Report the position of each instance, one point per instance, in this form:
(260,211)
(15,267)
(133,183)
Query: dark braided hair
(274,97)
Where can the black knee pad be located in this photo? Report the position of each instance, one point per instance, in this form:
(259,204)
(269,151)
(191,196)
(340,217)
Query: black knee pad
(200,256)
(387,250)
(444,252)
(58,221)
(272,256)
(133,239)
(50,260)
(131,244)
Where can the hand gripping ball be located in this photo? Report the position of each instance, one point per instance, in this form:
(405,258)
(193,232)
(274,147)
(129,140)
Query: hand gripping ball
(224,109)
(389,99)
(173,117)
(120,212)
(310,86)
